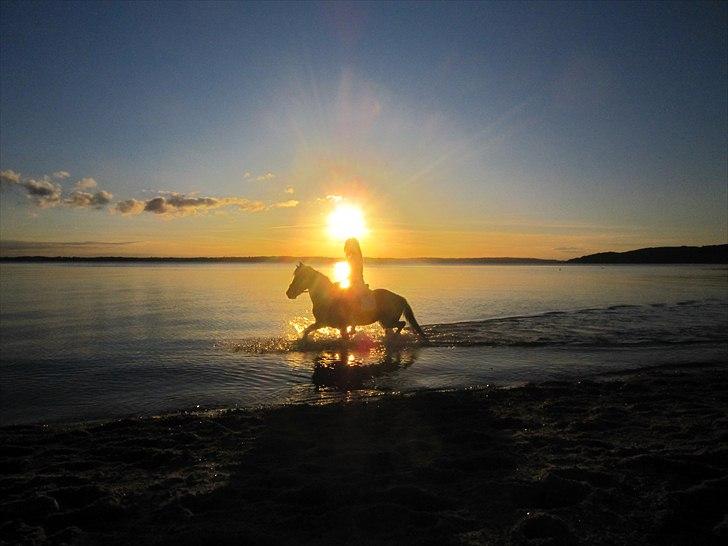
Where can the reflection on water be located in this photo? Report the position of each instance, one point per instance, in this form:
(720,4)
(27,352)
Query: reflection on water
(337,368)
(345,370)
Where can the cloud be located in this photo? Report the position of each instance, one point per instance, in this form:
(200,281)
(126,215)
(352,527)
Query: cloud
(569,249)
(84,199)
(244,204)
(9,177)
(130,207)
(62,248)
(43,193)
(11,243)
(330,199)
(85,184)
(285,204)
(289,189)
(61,175)
(260,178)
(46,192)
(178,204)
(578,250)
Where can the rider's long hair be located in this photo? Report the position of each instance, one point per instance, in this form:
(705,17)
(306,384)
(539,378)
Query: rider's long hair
(356,262)
(352,249)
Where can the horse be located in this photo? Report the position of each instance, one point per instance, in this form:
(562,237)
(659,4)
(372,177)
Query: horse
(332,307)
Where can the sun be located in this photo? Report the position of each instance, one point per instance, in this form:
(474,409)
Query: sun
(346,221)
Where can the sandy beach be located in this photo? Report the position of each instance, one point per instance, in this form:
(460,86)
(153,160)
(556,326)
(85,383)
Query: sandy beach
(626,458)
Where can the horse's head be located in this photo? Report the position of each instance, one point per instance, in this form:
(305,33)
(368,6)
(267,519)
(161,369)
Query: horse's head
(303,276)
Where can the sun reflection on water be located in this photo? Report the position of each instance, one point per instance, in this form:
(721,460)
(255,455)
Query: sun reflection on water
(342,273)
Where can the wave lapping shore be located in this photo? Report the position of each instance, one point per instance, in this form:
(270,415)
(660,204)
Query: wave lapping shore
(638,457)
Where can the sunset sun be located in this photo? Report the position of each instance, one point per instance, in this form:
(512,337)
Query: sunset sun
(346,221)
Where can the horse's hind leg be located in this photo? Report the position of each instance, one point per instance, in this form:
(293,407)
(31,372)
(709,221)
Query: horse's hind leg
(392,327)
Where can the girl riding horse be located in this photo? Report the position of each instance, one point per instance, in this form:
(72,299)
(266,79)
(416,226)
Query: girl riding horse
(331,306)
(358,290)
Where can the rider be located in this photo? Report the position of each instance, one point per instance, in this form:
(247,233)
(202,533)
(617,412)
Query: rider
(358,289)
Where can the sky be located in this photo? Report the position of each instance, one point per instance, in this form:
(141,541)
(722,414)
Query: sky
(548,130)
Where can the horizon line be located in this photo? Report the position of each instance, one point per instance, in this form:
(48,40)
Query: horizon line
(666,254)
(265,257)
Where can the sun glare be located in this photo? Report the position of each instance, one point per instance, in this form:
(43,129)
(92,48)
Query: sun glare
(346,221)
(341,274)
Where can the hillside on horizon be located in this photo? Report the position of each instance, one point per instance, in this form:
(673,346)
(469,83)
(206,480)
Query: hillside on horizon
(660,255)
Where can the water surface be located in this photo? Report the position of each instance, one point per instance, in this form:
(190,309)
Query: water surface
(97,340)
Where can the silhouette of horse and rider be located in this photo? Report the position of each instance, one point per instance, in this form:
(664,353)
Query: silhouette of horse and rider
(357,305)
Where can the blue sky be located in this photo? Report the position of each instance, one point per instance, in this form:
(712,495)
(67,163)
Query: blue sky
(473,129)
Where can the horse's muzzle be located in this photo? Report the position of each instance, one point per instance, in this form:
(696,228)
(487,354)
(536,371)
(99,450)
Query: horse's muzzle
(291,295)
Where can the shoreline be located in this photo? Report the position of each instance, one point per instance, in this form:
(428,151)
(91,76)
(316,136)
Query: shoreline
(340,396)
(629,456)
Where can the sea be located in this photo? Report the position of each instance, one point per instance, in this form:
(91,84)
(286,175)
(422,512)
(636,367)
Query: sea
(87,341)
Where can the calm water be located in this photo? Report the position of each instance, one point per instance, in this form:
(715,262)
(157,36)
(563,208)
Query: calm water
(88,341)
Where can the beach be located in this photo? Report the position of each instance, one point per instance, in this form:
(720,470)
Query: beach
(630,457)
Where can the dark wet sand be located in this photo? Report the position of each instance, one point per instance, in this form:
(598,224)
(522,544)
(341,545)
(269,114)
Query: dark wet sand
(636,458)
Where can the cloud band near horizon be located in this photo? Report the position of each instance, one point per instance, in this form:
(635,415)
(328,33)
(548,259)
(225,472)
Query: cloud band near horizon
(47,193)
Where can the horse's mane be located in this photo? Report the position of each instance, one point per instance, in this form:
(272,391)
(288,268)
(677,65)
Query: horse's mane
(320,275)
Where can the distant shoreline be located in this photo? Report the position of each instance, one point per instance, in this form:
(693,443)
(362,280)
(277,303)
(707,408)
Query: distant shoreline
(711,254)
(279,259)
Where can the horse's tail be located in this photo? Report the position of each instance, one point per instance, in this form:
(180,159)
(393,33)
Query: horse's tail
(410,316)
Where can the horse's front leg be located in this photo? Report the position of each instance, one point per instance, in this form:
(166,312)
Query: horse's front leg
(344,333)
(310,328)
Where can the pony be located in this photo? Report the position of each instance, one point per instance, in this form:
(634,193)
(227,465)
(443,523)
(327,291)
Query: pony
(332,307)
